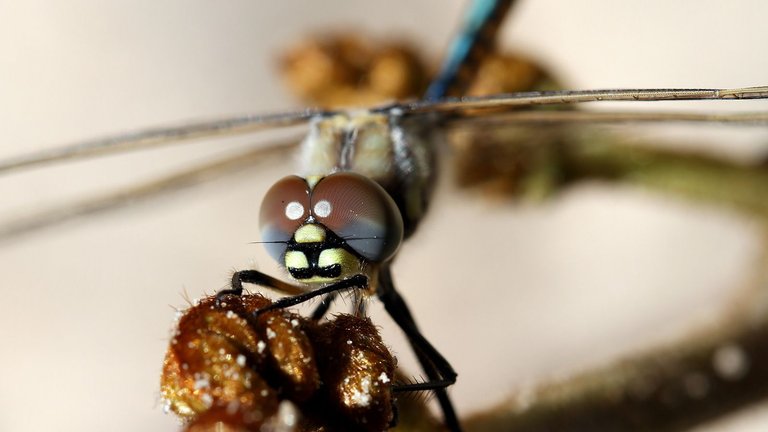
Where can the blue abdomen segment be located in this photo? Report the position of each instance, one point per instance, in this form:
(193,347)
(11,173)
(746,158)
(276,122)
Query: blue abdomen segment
(477,34)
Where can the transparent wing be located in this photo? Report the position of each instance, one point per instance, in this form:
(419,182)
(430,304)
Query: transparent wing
(469,120)
(511,101)
(465,114)
(158,136)
(154,188)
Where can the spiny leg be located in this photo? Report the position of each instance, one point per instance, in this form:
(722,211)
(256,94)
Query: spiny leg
(360,304)
(357,281)
(299,294)
(440,377)
(392,299)
(437,368)
(257,278)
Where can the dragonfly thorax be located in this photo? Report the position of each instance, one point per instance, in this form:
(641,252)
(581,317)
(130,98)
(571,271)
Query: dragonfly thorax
(394,151)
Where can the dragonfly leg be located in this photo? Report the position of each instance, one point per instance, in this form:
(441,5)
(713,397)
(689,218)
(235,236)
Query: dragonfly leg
(300,296)
(357,281)
(437,368)
(256,278)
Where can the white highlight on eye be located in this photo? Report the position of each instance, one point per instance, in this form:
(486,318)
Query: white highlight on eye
(294,210)
(323,208)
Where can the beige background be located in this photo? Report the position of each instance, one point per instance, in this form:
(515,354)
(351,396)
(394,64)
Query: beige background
(511,294)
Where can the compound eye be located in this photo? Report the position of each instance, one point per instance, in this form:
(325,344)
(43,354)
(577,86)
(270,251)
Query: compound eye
(361,212)
(283,210)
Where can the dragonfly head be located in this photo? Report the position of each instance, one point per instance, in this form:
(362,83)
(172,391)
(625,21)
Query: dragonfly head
(323,229)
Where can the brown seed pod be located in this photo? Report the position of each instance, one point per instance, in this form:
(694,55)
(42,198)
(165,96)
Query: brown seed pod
(213,362)
(228,370)
(345,69)
(357,371)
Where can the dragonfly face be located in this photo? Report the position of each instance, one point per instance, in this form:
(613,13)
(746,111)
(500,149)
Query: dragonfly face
(324,229)
(87,283)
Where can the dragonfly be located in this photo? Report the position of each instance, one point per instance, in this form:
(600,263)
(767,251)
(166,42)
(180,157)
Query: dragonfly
(149,278)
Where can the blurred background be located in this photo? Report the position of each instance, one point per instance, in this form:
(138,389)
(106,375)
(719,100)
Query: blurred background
(513,294)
